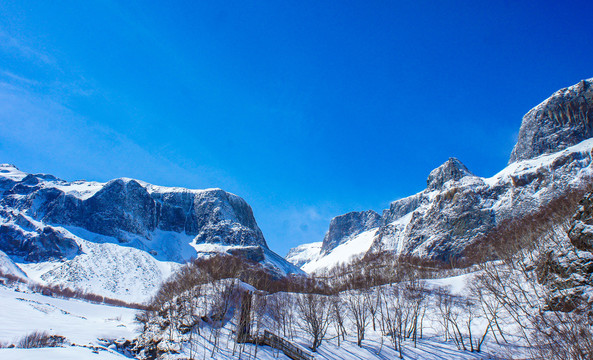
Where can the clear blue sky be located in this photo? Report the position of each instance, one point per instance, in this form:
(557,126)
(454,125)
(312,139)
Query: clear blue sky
(307,109)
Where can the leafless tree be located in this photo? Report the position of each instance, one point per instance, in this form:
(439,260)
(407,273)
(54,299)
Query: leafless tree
(444,304)
(393,318)
(314,315)
(337,317)
(373,299)
(358,312)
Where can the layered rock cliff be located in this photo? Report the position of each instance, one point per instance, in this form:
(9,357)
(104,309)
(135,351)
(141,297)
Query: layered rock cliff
(562,120)
(44,219)
(344,227)
(567,267)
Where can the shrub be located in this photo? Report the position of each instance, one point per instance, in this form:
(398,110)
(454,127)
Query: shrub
(39,339)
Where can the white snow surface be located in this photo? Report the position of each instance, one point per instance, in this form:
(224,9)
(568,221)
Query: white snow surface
(106,269)
(83,189)
(304,253)
(11,172)
(85,325)
(531,165)
(343,253)
(82,324)
(8,267)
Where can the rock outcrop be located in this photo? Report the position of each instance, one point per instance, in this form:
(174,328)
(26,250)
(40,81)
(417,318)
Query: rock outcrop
(125,206)
(567,269)
(451,170)
(344,227)
(564,119)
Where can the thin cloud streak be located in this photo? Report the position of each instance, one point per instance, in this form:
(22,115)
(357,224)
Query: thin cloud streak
(19,48)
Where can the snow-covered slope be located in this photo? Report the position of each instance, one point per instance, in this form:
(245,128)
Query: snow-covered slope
(441,223)
(121,238)
(81,323)
(8,267)
(90,331)
(305,253)
(341,254)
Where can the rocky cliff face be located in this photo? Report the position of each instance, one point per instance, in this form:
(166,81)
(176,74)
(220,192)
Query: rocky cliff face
(119,209)
(568,268)
(552,158)
(563,120)
(344,227)
(448,220)
(124,206)
(46,219)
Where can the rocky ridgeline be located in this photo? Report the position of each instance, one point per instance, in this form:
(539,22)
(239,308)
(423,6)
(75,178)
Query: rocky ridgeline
(110,238)
(344,227)
(562,120)
(118,208)
(551,158)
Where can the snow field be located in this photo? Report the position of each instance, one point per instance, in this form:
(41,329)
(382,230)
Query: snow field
(82,323)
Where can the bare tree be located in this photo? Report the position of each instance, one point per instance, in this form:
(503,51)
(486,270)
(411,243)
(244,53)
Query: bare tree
(337,307)
(393,318)
(314,312)
(444,304)
(414,295)
(358,311)
(373,299)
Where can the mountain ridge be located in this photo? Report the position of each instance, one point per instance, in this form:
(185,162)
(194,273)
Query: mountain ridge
(77,232)
(457,208)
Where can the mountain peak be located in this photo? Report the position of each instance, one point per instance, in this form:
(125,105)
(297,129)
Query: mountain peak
(562,120)
(452,169)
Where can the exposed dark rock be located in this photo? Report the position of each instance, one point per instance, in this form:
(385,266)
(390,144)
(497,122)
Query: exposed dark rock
(344,227)
(568,269)
(121,207)
(126,206)
(252,253)
(452,169)
(34,245)
(563,120)
(401,207)
(581,230)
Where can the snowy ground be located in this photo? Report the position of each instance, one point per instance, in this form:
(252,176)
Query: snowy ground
(80,322)
(342,254)
(84,324)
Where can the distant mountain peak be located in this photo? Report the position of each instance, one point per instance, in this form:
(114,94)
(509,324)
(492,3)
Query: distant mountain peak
(343,227)
(452,169)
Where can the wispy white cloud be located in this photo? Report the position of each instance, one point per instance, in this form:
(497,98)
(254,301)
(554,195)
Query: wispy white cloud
(18,47)
(17,78)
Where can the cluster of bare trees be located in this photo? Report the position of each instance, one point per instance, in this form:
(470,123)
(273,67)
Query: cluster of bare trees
(65,292)
(198,296)
(389,295)
(518,284)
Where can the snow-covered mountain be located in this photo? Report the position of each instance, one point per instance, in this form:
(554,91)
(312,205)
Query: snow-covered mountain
(551,159)
(121,238)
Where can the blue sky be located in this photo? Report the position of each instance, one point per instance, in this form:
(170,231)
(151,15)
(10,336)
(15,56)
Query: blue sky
(307,109)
